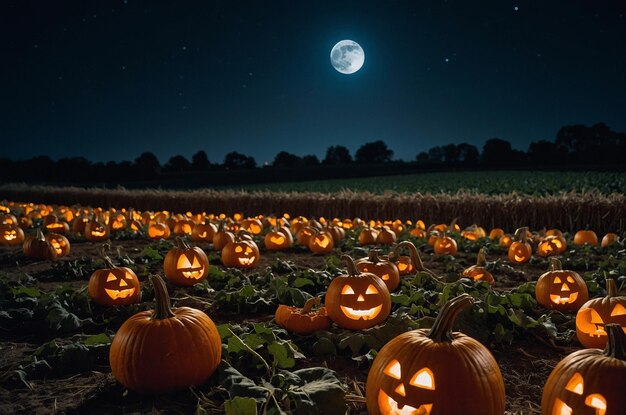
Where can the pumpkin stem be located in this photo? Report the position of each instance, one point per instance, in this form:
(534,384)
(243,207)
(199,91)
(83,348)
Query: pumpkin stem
(611,288)
(521,234)
(352,271)
(40,235)
(310,303)
(416,260)
(373,256)
(481,260)
(616,346)
(555,264)
(182,244)
(162,305)
(442,328)
(451,226)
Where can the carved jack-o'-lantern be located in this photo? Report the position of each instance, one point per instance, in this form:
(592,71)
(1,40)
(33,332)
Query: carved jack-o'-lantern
(386,236)
(384,269)
(203,232)
(551,245)
(589,381)
(159,230)
(241,253)
(54,225)
(38,247)
(479,271)
(418,371)
(96,231)
(60,244)
(496,234)
(321,243)
(11,234)
(113,286)
(560,289)
(409,264)
(357,301)
(183,227)
(185,265)
(595,314)
(252,225)
(445,245)
(474,233)
(278,239)
(520,251)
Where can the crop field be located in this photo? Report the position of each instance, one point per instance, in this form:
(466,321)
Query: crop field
(57,330)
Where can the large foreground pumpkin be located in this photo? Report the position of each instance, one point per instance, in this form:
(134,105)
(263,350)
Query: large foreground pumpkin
(589,381)
(435,371)
(166,349)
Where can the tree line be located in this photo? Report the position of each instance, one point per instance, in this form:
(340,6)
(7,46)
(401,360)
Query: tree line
(577,145)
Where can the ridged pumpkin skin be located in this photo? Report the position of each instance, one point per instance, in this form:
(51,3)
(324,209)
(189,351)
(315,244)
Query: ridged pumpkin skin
(559,283)
(114,286)
(195,270)
(597,312)
(166,349)
(586,374)
(38,247)
(459,374)
(302,320)
(386,270)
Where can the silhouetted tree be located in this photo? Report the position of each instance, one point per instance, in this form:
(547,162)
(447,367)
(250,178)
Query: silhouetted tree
(284,159)
(543,152)
(497,152)
(468,154)
(200,161)
(177,164)
(310,160)
(435,155)
(235,160)
(373,152)
(74,169)
(450,154)
(337,155)
(422,158)
(147,166)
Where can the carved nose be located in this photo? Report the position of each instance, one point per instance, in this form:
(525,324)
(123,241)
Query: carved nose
(123,283)
(400,390)
(361,298)
(564,287)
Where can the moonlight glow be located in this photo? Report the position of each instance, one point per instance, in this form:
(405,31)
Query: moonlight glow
(347,57)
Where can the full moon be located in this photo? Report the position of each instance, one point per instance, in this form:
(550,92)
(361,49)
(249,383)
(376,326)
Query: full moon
(347,57)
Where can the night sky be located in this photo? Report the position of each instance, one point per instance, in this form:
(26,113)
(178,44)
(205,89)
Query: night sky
(109,80)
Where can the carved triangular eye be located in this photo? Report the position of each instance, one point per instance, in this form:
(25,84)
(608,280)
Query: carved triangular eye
(570,279)
(557,280)
(238,249)
(618,310)
(371,290)
(424,379)
(196,263)
(183,262)
(576,384)
(248,250)
(111,277)
(128,276)
(347,290)
(394,369)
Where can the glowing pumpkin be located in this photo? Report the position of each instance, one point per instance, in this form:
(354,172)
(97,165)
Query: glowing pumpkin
(303,320)
(11,234)
(114,286)
(596,313)
(479,271)
(185,265)
(520,251)
(384,269)
(561,289)
(241,253)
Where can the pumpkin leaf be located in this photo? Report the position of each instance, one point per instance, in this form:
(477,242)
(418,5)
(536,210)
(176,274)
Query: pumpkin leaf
(240,406)
(316,390)
(97,339)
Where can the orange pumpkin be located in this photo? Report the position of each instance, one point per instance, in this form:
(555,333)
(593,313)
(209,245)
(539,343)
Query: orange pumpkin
(167,349)
(11,234)
(551,245)
(321,243)
(114,286)
(368,236)
(445,245)
(384,269)
(159,230)
(595,314)
(241,253)
(38,247)
(357,300)
(609,239)
(479,271)
(386,236)
(520,251)
(560,289)
(586,237)
(222,237)
(60,244)
(409,264)
(278,239)
(303,320)
(185,265)
(203,232)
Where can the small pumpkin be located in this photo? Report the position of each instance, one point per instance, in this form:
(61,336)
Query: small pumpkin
(596,313)
(561,289)
(496,234)
(203,232)
(96,231)
(159,230)
(114,286)
(222,237)
(52,223)
(386,236)
(241,253)
(474,233)
(165,349)
(183,227)
(60,244)
(436,371)
(409,264)
(479,271)
(357,301)
(384,269)
(445,245)
(589,381)
(321,243)
(368,236)
(520,251)
(185,265)
(551,245)
(583,237)
(278,239)
(303,320)
(252,225)
(38,247)
(609,239)
(11,234)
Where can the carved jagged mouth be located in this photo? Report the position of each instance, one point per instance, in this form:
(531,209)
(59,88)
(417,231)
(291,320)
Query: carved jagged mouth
(115,294)
(366,314)
(195,274)
(246,261)
(387,403)
(10,237)
(556,299)
(98,233)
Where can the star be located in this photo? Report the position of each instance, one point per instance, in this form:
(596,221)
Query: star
(516,8)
